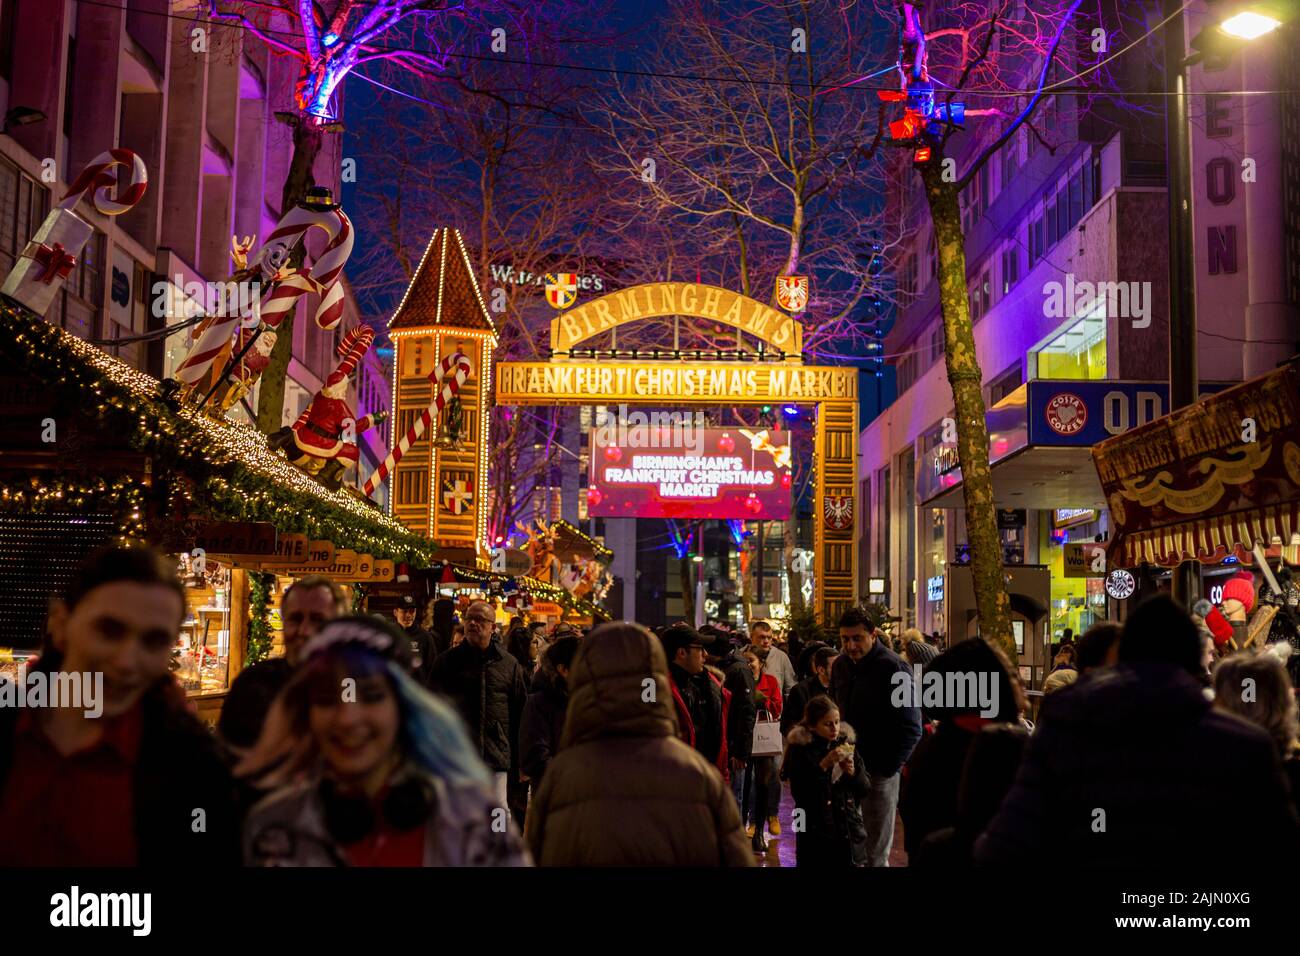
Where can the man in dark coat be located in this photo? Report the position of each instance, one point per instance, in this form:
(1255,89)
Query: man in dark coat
(306,606)
(489,688)
(823,661)
(423,649)
(697,696)
(1128,764)
(123,774)
(738,679)
(544,712)
(863,685)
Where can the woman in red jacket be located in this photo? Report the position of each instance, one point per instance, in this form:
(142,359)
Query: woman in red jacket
(767,699)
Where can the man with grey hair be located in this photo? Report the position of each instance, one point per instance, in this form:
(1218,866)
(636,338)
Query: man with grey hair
(489,688)
(307,605)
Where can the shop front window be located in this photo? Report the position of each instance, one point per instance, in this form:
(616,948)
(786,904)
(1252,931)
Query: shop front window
(1077,352)
(201,657)
(1077,603)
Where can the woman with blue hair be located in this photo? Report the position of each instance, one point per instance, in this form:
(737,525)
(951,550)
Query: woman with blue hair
(367,768)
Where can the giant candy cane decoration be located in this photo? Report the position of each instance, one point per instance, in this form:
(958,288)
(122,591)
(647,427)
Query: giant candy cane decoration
(450,386)
(100,177)
(288,232)
(321,278)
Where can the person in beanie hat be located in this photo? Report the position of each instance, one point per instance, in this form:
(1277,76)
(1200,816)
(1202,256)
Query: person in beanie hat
(369,768)
(1238,602)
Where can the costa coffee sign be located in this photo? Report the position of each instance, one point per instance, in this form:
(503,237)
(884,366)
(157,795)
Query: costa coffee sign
(1066,413)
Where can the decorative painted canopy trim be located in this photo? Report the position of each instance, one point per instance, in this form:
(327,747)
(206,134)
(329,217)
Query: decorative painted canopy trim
(1210,540)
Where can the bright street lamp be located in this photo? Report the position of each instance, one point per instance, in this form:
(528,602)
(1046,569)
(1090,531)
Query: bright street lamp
(1249,25)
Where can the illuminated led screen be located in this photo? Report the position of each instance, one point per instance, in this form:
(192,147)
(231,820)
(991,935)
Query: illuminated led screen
(686,471)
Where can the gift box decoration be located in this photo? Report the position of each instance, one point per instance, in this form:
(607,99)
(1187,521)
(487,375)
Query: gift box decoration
(47,260)
(53,252)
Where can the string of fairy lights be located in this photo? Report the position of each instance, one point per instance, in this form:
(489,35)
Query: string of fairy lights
(234,474)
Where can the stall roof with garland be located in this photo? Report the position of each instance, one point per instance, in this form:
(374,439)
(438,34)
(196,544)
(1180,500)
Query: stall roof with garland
(237,477)
(532,587)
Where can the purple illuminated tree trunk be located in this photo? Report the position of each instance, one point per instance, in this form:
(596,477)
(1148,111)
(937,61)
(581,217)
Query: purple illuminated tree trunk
(970,57)
(330,41)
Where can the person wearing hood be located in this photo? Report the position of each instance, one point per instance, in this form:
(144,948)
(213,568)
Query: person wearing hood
(543,720)
(623,789)
(1125,766)
(929,798)
(827,779)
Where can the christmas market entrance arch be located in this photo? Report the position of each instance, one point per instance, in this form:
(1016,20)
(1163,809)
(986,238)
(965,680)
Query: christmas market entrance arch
(772,374)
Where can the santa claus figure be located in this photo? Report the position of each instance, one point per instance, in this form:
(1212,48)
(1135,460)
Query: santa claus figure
(322,442)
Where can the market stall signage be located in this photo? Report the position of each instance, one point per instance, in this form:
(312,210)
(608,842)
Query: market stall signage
(1069,517)
(233,539)
(1235,451)
(314,555)
(292,547)
(546,607)
(382,572)
(1085,559)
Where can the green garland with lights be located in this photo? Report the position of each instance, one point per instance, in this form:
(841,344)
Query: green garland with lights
(235,476)
(259,623)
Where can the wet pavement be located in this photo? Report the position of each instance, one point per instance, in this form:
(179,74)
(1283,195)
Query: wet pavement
(780,849)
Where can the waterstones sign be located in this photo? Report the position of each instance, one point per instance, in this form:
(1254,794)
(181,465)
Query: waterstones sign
(526,383)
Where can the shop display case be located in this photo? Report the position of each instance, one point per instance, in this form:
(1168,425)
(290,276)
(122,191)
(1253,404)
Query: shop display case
(201,657)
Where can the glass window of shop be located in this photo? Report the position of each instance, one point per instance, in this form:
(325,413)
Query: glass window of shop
(934,551)
(201,657)
(1077,603)
(1075,352)
(907,472)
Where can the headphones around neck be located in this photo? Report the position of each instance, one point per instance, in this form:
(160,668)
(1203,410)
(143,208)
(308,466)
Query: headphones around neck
(350,818)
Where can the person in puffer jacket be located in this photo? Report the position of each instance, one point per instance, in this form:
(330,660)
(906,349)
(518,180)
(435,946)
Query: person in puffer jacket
(624,790)
(827,779)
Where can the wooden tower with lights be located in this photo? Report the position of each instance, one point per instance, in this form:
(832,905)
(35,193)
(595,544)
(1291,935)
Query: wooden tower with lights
(438,487)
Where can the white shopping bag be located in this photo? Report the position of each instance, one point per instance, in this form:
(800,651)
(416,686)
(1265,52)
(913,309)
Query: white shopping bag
(767,738)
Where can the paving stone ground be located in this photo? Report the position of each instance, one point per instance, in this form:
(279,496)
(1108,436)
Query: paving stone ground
(780,849)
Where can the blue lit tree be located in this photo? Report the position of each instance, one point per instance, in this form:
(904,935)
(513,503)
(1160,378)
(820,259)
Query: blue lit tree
(330,41)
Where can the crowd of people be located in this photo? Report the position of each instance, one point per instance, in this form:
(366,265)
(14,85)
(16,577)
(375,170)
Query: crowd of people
(376,742)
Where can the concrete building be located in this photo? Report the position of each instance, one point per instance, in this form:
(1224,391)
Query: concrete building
(197,102)
(1061,372)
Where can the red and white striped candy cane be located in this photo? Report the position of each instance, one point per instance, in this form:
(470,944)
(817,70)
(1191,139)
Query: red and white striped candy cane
(355,343)
(450,386)
(100,176)
(283,298)
(321,278)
